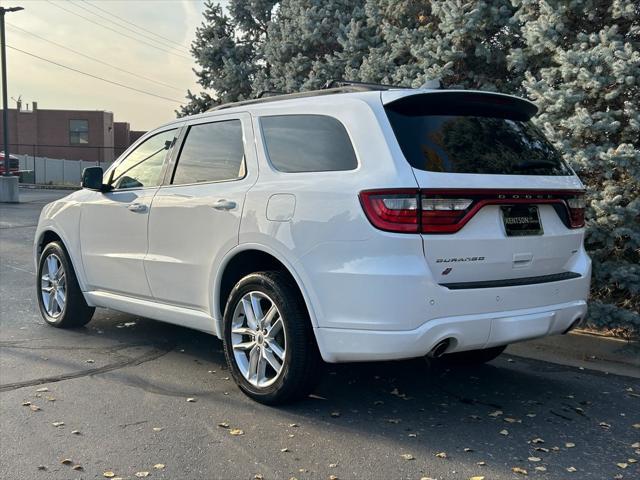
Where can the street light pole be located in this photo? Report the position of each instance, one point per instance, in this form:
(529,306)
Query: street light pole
(5,106)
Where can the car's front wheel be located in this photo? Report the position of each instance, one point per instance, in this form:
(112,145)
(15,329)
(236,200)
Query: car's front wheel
(60,299)
(268,339)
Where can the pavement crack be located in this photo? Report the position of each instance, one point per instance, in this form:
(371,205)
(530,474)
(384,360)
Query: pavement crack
(130,362)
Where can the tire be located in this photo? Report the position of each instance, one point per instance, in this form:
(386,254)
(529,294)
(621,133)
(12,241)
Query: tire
(286,337)
(472,357)
(74,311)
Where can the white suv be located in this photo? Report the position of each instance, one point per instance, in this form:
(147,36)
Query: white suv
(353,224)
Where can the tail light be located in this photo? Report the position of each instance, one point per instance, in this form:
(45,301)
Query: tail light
(392,210)
(447,211)
(576,206)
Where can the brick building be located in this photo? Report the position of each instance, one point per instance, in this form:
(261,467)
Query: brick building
(69,134)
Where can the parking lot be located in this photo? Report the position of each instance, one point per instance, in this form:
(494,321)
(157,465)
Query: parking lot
(113,397)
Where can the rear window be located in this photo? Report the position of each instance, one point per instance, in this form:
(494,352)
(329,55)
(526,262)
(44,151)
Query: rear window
(307,143)
(471,142)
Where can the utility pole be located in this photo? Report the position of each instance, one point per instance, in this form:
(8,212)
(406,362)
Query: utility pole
(9,185)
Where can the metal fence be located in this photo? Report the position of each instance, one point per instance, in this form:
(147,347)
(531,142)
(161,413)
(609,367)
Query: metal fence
(54,171)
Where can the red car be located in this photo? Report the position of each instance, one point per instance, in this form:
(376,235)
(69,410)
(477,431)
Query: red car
(14,164)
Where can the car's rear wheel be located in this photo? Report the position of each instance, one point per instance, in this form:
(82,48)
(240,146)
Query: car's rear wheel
(268,340)
(60,299)
(472,357)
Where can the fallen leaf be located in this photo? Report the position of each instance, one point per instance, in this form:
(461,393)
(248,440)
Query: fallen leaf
(293,425)
(57,424)
(284,450)
(468,449)
(51,399)
(636,445)
(413,435)
(534,459)
(569,445)
(333,477)
(159,466)
(236,431)
(157,429)
(482,464)
(333,465)
(512,420)
(142,474)
(66,461)
(531,415)
(108,474)
(76,467)
(542,449)
(407,456)
(75,432)
(519,470)
(34,408)
(26,404)
(191,399)
(223,425)
(258,476)
(541,469)
(393,420)
(606,425)
(335,414)
(537,440)
(636,425)
(632,460)
(504,432)
(441,455)
(129,324)
(496,414)
(378,402)
(622,465)
(571,469)
(41,467)
(90,360)
(43,389)
(477,477)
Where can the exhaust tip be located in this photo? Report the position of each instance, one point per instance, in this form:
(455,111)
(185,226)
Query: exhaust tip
(440,348)
(573,325)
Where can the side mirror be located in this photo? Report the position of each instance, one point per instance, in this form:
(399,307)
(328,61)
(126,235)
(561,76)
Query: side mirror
(92,179)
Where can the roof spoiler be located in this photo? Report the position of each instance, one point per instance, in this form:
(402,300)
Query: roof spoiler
(458,102)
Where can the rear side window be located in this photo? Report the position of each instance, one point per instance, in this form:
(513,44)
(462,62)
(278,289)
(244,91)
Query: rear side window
(470,142)
(211,152)
(307,143)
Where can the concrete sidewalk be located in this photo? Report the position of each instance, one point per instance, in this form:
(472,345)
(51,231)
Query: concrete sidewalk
(584,350)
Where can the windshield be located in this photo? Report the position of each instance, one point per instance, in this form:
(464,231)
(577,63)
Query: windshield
(474,144)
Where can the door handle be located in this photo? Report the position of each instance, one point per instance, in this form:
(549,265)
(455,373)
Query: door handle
(137,207)
(224,205)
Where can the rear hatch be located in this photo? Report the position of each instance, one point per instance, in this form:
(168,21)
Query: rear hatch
(498,205)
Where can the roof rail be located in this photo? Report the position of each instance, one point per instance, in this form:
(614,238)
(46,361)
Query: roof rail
(311,93)
(364,85)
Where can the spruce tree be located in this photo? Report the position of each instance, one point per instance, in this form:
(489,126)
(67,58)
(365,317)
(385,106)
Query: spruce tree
(581,62)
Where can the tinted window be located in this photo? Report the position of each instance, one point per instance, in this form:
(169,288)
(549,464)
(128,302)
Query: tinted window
(143,166)
(307,143)
(475,144)
(212,152)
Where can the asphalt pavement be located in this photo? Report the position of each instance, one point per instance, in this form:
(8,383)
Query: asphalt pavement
(130,397)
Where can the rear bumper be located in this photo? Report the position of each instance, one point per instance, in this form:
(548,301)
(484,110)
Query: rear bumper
(467,332)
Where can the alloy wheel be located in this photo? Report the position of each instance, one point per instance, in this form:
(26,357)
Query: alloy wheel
(53,286)
(259,339)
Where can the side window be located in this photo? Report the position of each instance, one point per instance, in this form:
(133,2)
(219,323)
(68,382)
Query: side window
(307,143)
(211,152)
(78,132)
(143,166)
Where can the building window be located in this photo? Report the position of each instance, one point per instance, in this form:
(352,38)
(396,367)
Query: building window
(78,132)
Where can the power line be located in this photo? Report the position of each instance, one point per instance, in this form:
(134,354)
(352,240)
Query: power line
(116,31)
(94,76)
(120,69)
(139,27)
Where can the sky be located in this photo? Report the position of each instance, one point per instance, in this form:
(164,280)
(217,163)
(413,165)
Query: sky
(164,29)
